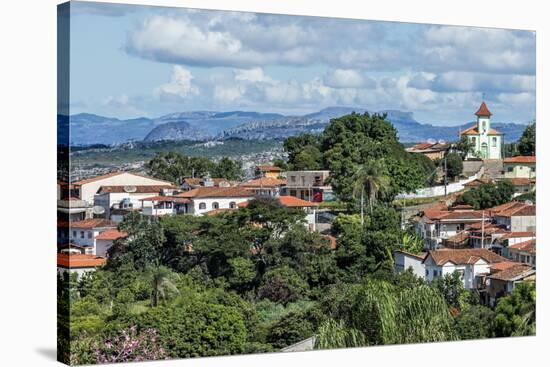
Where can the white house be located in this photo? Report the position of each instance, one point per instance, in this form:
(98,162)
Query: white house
(161,205)
(469,263)
(127,197)
(520,167)
(486,141)
(503,280)
(204,199)
(78,263)
(88,188)
(104,241)
(84,232)
(516,216)
(404,260)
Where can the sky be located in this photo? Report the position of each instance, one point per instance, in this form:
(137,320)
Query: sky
(129,61)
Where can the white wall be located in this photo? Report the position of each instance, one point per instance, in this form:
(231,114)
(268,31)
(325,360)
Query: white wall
(222,202)
(404,261)
(102,246)
(88,191)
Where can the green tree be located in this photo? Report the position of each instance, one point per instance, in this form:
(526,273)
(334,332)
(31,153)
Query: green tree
(174,167)
(465,146)
(515,314)
(370,181)
(474,322)
(454,165)
(243,273)
(451,287)
(528,140)
(334,334)
(280,163)
(303,152)
(162,283)
(227,168)
(282,285)
(488,195)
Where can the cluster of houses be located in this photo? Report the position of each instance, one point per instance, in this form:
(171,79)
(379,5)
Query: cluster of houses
(90,210)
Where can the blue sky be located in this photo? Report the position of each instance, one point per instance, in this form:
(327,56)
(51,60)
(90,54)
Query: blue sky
(129,61)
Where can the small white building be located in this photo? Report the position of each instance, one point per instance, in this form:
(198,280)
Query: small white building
(86,189)
(404,260)
(516,216)
(520,167)
(78,263)
(205,199)
(104,241)
(84,232)
(471,264)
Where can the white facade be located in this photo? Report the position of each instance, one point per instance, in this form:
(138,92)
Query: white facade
(90,188)
(202,205)
(115,200)
(404,261)
(487,142)
(468,271)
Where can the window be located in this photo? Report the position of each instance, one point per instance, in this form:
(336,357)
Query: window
(473,139)
(510,169)
(215,205)
(494,140)
(232,205)
(81,234)
(293,178)
(74,234)
(90,234)
(435,273)
(427,272)
(533,169)
(202,205)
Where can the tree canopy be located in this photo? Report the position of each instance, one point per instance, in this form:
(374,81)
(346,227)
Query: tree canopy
(528,141)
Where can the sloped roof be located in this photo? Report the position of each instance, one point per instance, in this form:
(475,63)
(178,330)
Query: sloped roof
(173,199)
(294,202)
(267,168)
(111,234)
(79,260)
(517,235)
(93,223)
(216,192)
(474,131)
(529,246)
(521,159)
(513,273)
(264,182)
(464,256)
(520,209)
(483,110)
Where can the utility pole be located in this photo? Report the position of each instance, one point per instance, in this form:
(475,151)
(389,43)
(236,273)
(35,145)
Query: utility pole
(483,229)
(445,177)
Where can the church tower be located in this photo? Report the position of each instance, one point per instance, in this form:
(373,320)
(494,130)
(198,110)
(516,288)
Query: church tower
(483,119)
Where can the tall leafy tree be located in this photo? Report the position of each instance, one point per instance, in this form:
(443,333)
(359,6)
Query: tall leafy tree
(454,165)
(515,314)
(174,167)
(371,179)
(528,140)
(162,283)
(227,168)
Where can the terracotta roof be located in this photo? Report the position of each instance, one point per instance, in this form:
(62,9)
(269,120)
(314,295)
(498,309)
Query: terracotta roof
(216,192)
(173,199)
(459,237)
(517,235)
(502,266)
(140,189)
(294,202)
(483,110)
(420,256)
(520,209)
(464,256)
(521,159)
(502,207)
(473,131)
(113,174)
(93,223)
(111,234)
(478,182)
(513,273)
(214,212)
(215,181)
(462,207)
(529,246)
(264,182)
(267,167)
(79,260)
(522,181)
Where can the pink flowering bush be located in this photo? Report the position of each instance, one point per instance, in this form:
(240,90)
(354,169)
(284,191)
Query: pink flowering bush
(130,346)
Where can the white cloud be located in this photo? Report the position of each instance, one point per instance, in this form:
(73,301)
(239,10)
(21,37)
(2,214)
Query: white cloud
(347,78)
(180,85)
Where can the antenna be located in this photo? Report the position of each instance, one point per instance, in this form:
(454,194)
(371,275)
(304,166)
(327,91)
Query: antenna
(129,189)
(97,209)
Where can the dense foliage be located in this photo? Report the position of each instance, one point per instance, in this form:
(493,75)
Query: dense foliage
(528,141)
(488,195)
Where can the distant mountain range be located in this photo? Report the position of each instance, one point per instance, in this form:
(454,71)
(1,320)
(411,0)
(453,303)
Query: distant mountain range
(89,129)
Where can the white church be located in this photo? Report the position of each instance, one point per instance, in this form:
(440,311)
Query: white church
(487,142)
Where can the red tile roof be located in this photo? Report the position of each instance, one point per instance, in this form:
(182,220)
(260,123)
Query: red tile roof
(522,181)
(173,199)
(93,223)
(464,256)
(79,261)
(513,273)
(483,110)
(519,209)
(527,246)
(264,182)
(267,168)
(216,192)
(521,159)
(517,235)
(294,202)
(474,131)
(111,234)
(502,266)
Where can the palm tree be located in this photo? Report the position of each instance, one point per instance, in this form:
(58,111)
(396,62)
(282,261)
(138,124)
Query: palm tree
(162,283)
(370,179)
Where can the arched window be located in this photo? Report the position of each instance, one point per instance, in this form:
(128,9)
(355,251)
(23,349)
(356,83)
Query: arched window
(232,205)
(202,205)
(215,205)
(494,141)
